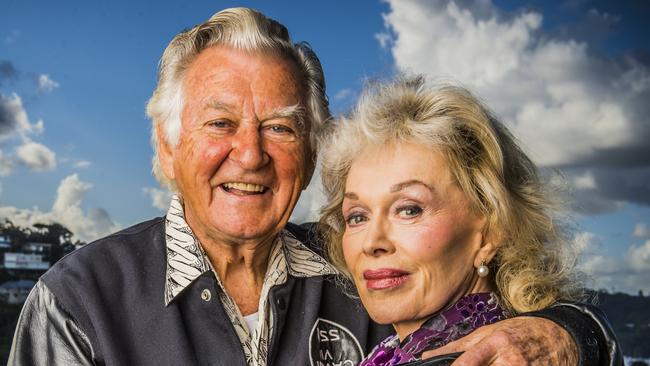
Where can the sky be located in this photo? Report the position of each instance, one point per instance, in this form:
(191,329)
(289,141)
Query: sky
(571,79)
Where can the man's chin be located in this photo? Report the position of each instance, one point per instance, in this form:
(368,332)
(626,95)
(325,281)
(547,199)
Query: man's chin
(246,230)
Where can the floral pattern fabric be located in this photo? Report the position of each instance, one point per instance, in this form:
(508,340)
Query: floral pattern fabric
(467,314)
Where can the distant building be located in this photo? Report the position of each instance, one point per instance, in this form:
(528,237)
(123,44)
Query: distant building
(15,292)
(26,261)
(34,256)
(5,246)
(5,241)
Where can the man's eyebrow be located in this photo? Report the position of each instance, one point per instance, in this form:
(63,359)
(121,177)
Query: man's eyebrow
(215,104)
(294,112)
(399,186)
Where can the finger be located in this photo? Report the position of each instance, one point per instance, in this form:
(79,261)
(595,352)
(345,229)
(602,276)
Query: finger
(480,354)
(456,346)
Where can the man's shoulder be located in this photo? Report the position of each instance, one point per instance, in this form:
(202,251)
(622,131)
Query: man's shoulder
(130,247)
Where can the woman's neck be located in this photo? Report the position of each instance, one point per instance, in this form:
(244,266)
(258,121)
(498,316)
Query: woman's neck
(406,327)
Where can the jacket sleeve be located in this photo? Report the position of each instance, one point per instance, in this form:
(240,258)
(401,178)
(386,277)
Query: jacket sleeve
(590,329)
(47,335)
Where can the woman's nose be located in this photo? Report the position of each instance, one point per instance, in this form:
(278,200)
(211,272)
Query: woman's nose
(377,241)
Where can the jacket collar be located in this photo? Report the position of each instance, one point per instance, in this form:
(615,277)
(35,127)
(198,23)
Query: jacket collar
(186,260)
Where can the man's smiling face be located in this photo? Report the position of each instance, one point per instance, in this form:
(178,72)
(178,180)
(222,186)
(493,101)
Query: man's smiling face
(243,155)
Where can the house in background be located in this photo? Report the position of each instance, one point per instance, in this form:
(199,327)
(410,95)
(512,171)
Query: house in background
(15,292)
(34,256)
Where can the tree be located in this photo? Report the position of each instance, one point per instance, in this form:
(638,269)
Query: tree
(53,233)
(15,233)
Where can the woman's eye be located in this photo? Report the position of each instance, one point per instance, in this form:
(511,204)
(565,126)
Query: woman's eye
(409,211)
(355,219)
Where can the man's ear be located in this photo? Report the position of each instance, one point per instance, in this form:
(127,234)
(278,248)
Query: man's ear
(165,153)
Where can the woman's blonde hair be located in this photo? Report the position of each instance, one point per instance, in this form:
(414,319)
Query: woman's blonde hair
(532,268)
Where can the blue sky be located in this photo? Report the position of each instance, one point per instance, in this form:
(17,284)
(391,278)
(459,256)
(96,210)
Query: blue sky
(571,79)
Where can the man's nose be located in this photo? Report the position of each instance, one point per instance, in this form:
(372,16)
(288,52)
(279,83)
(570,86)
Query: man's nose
(248,149)
(377,241)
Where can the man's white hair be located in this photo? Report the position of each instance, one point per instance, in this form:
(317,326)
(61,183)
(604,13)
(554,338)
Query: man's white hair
(242,29)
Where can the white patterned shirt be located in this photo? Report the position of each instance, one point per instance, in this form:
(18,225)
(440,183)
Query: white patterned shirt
(186,261)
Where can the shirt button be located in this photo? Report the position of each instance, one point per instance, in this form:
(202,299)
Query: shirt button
(281,303)
(206,295)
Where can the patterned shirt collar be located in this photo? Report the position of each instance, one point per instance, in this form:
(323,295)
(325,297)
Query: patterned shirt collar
(186,260)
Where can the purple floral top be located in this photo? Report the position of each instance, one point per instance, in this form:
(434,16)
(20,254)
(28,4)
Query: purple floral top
(468,313)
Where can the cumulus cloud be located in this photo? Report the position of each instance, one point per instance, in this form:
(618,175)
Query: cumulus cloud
(13,117)
(45,84)
(639,256)
(629,273)
(67,211)
(160,198)
(570,108)
(36,156)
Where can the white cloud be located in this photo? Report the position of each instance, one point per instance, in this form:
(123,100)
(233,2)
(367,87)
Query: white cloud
(641,230)
(343,94)
(585,181)
(36,156)
(160,198)
(45,84)
(310,202)
(568,107)
(13,117)
(639,257)
(67,211)
(82,164)
(628,273)
(6,165)
(384,39)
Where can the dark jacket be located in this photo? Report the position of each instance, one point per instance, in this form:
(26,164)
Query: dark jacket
(104,305)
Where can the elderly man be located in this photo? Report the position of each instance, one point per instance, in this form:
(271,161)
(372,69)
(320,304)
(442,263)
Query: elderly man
(224,279)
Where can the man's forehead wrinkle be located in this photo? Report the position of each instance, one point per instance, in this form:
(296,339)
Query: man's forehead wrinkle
(212,103)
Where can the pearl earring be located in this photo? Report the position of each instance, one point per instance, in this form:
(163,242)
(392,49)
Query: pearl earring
(482,270)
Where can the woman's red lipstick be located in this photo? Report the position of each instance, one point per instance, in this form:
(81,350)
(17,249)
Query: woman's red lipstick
(384,278)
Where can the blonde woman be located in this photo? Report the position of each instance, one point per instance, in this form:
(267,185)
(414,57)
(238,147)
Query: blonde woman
(438,218)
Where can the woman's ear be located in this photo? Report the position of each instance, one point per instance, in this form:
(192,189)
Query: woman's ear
(485,254)
(165,153)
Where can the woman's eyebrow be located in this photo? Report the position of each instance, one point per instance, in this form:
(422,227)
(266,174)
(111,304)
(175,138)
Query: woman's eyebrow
(399,186)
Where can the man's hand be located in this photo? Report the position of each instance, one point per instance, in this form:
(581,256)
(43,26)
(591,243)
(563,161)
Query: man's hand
(516,341)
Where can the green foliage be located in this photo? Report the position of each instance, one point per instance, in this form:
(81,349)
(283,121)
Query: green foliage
(53,233)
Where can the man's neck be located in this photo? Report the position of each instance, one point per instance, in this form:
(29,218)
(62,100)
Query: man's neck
(241,269)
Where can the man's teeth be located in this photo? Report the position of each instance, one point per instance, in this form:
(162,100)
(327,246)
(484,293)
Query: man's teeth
(244,187)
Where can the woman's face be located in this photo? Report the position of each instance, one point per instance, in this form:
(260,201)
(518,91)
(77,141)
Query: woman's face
(411,241)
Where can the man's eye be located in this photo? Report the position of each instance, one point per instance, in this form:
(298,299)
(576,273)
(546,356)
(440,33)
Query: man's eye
(409,211)
(280,129)
(220,123)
